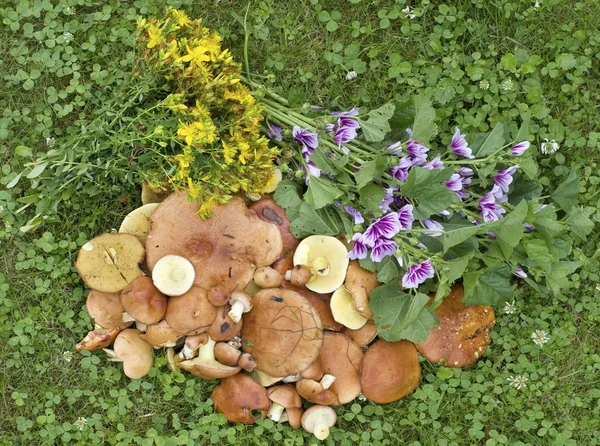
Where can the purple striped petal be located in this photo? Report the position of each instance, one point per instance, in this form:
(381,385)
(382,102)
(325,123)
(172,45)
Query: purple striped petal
(417,274)
(504,178)
(274,132)
(313,169)
(358,218)
(395,148)
(343,135)
(520,148)
(330,127)
(417,152)
(348,122)
(388,199)
(455,183)
(359,250)
(387,226)
(306,137)
(528,227)
(459,145)
(432,224)
(406,217)
(519,272)
(490,211)
(400,172)
(466,172)
(435,163)
(353,112)
(383,248)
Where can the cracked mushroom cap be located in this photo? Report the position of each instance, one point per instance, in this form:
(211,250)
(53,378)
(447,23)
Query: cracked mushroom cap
(110,262)
(224,249)
(137,222)
(191,313)
(390,371)
(97,339)
(238,396)
(143,301)
(282,331)
(135,353)
(463,334)
(327,257)
(106,310)
(359,283)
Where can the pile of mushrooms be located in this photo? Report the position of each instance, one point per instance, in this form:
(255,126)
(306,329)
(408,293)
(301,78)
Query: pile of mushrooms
(284,323)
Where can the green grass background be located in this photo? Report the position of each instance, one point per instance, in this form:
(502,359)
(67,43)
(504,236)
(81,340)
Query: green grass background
(53,82)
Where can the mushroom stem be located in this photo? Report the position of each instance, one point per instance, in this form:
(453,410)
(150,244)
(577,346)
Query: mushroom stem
(112,356)
(141,327)
(288,275)
(284,417)
(292,378)
(126,317)
(236,311)
(275,412)
(187,353)
(327,381)
(321,429)
(207,351)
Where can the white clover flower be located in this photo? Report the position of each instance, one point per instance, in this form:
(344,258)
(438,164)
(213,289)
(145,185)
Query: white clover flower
(69,10)
(80,423)
(518,381)
(549,147)
(597,286)
(68,36)
(484,84)
(2,210)
(540,337)
(351,75)
(50,142)
(537,4)
(507,85)
(510,307)
(67,356)
(409,12)
(361,397)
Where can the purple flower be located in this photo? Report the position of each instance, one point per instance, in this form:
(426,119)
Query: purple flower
(519,272)
(353,112)
(383,248)
(395,148)
(504,178)
(305,137)
(444,213)
(388,199)
(343,135)
(417,274)
(459,145)
(406,217)
(520,148)
(313,169)
(455,183)
(348,122)
(417,152)
(432,224)
(274,132)
(359,250)
(330,127)
(387,226)
(528,227)
(490,211)
(435,163)
(358,218)
(400,172)
(466,172)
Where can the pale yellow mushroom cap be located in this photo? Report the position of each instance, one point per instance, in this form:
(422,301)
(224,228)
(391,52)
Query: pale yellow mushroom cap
(326,256)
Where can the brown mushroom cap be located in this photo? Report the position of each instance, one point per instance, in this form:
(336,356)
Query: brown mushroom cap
(97,339)
(237,396)
(218,296)
(285,395)
(314,392)
(135,353)
(226,354)
(191,313)
(463,334)
(341,358)
(106,309)
(109,262)
(143,301)
(360,282)
(223,328)
(295,416)
(364,335)
(225,249)
(390,371)
(320,302)
(206,366)
(283,332)
(314,372)
(161,335)
(267,277)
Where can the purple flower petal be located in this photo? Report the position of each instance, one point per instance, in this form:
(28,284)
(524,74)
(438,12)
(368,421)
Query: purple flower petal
(307,151)
(435,163)
(417,152)
(406,217)
(306,137)
(343,135)
(417,274)
(395,148)
(466,172)
(400,172)
(388,199)
(359,250)
(353,112)
(504,178)
(358,218)
(455,183)
(387,226)
(432,224)
(490,211)
(459,145)
(274,132)
(520,148)
(348,122)
(383,248)
(330,127)
(528,227)
(313,169)
(519,272)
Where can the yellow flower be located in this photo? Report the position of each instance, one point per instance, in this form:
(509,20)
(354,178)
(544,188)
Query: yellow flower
(155,36)
(196,55)
(172,50)
(228,152)
(184,159)
(193,189)
(181,17)
(187,132)
(244,152)
(207,206)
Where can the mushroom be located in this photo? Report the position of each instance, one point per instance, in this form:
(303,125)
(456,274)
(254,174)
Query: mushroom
(359,283)
(263,378)
(238,396)
(161,335)
(344,311)
(318,392)
(228,355)
(191,313)
(240,302)
(320,303)
(134,352)
(192,344)
(137,222)
(218,296)
(273,182)
(267,277)
(152,194)
(223,328)
(106,310)
(206,366)
(143,301)
(364,335)
(299,275)
(463,334)
(283,332)
(173,275)
(326,256)
(98,338)
(109,262)
(318,419)
(390,371)
(284,397)
(224,249)
(173,360)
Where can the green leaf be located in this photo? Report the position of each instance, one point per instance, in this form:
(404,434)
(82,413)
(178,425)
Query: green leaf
(426,186)
(529,167)
(23,151)
(456,236)
(509,62)
(321,192)
(37,170)
(370,197)
(538,251)
(419,329)
(14,181)
(557,280)
(580,224)
(493,141)
(458,266)
(510,229)
(310,221)
(394,310)
(403,118)
(523,189)
(368,264)
(442,291)
(422,127)
(371,170)
(488,287)
(566,61)
(546,222)
(377,125)
(387,270)
(287,195)
(566,194)
(524,129)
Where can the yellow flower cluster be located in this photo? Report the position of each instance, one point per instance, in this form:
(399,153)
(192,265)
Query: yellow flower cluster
(216,146)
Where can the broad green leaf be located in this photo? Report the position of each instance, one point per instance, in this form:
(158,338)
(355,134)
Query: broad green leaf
(370,197)
(538,251)
(509,62)
(310,221)
(566,61)
(434,200)
(418,330)
(557,280)
(387,270)
(321,192)
(368,264)
(456,236)
(443,289)
(422,127)
(523,130)
(458,266)
(579,222)
(370,170)
(510,229)
(403,118)
(377,125)
(546,222)
(493,141)
(287,195)
(23,151)
(566,194)
(488,287)
(347,225)
(37,170)
(14,181)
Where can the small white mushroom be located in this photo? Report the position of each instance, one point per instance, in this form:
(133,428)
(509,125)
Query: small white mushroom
(241,302)
(173,275)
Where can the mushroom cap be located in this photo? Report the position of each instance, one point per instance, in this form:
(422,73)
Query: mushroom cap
(267,277)
(226,354)
(318,412)
(315,371)
(314,392)
(135,353)
(161,335)
(263,378)
(344,311)
(218,296)
(390,371)
(285,395)
(320,302)
(206,366)
(237,396)
(330,248)
(109,262)
(173,275)
(223,328)
(143,301)
(225,249)
(364,335)
(97,339)
(463,334)
(282,331)
(137,222)
(191,313)
(359,283)
(106,309)
(342,358)
(295,416)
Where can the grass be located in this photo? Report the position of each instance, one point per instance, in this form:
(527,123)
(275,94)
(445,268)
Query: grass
(554,70)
